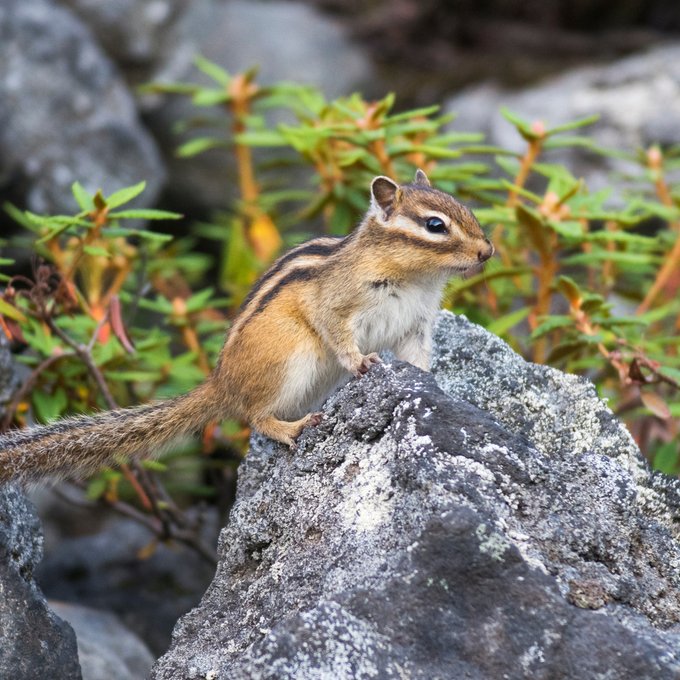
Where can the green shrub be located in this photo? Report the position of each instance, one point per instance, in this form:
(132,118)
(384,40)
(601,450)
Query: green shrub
(577,283)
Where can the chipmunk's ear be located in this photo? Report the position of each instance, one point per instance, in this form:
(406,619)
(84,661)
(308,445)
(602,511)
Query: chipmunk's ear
(421,178)
(385,195)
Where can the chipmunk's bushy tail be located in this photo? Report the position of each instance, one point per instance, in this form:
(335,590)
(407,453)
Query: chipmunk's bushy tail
(81,445)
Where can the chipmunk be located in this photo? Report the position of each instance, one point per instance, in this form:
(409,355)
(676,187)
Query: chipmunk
(322,311)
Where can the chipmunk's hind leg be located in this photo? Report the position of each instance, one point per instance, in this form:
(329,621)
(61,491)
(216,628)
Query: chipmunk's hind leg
(285,431)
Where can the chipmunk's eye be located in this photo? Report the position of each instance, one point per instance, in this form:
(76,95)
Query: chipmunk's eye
(435,225)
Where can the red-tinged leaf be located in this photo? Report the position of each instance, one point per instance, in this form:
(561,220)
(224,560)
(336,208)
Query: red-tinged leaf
(635,373)
(656,404)
(12,330)
(118,326)
(570,290)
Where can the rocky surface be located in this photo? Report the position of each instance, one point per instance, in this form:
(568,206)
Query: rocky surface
(500,523)
(136,34)
(106,648)
(637,98)
(34,642)
(65,112)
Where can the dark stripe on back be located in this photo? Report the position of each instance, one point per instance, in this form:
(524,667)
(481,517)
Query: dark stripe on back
(310,249)
(302,274)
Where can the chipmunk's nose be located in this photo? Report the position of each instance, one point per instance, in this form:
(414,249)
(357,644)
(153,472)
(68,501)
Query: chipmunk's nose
(486,253)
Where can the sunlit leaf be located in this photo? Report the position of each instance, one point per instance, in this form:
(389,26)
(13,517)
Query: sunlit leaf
(505,323)
(83,198)
(10,311)
(125,195)
(212,70)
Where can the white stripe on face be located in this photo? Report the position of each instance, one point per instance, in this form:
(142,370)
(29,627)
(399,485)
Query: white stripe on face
(418,228)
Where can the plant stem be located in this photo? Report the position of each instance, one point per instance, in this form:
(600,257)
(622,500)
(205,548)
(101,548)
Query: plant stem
(672,263)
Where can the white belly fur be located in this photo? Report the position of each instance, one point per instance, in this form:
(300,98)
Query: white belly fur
(393,313)
(309,381)
(389,315)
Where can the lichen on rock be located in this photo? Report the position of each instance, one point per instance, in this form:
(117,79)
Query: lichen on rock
(491,519)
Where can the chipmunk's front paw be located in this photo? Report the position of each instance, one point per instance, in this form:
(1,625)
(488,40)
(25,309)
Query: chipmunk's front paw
(361,363)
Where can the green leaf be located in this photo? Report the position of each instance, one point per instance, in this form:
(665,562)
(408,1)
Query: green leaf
(565,349)
(145,214)
(424,112)
(550,324)
(96,488)
(457,286)
(199,300)
(133,376)
(198,145)
(667,458)
(10,311)
(154,465)
(159,304)
(122,196)
(25,219)
(623,258)
(571,229)
(569,288)
(582,122)
(212,70)
(96,251)
(83,198)
(505,323)
(522,126)
(207,97)
(152,236)
(167,88)
(534,228)
(39,339)
(49,407)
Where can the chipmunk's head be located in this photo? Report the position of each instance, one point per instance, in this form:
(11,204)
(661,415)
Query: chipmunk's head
(427,225)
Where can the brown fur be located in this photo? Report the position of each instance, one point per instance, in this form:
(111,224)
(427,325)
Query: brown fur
(314,316)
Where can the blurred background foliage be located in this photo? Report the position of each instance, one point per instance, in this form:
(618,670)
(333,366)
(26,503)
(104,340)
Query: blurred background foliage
(116,312)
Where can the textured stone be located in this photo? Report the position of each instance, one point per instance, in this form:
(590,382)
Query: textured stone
(65,113)
(33,641)
(499,525)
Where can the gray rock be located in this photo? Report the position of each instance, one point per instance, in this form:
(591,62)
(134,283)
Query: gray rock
(8,377)
(33,641)
(626,94)
(65,113)
(287,40)
(134,33)
(106,648)
(99,569)
(499,525)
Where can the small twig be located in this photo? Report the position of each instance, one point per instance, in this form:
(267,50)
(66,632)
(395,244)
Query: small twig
(85,355)
(95,335)
(672,263)
(153,524)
